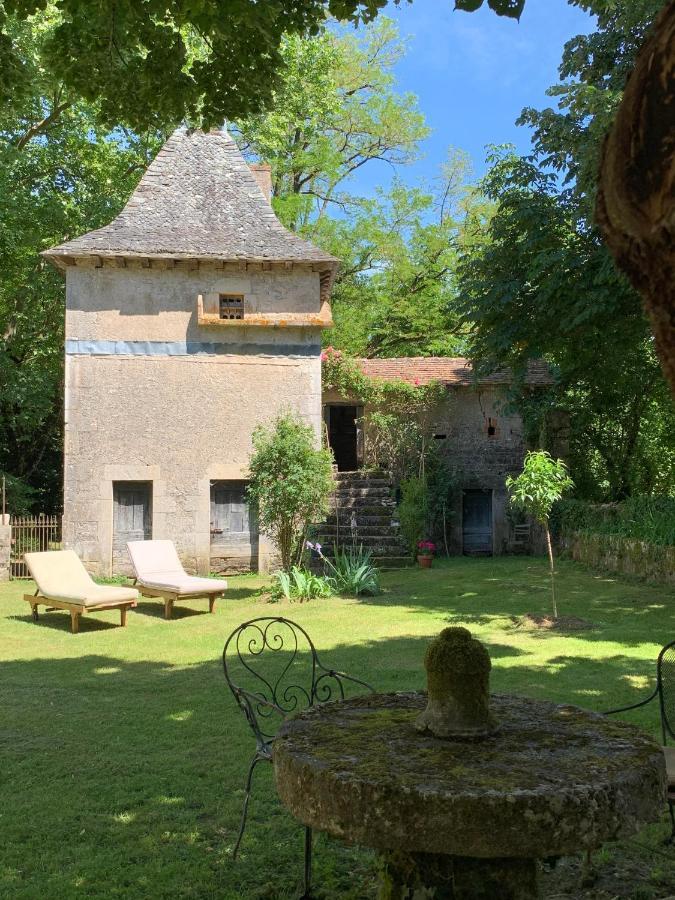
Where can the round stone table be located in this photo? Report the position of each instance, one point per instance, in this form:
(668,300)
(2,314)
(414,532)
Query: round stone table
(460,819)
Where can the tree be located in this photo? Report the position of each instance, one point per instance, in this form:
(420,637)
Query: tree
(148,64)
(61,174)
(291,482)
(334,110)
(542,483)
(539,282)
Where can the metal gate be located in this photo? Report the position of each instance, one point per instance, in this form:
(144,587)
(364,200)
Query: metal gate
(30,534)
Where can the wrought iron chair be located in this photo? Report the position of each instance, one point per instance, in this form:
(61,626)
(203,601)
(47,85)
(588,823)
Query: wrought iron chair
(665,692)
(299,680)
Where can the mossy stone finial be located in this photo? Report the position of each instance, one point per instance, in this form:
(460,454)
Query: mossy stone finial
(458,681)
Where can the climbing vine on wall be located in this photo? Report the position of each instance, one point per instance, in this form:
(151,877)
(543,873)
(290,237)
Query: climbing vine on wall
(399,418)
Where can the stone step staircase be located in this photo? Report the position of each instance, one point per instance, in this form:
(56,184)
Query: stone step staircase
(363,512)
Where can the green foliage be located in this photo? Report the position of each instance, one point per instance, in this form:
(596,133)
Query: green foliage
(354,573)
(538,280)
(650,519)
(153,63)
(539,486)
(542,483)
(61,174)
(299,584)
(399,416)
(412,511)
(291,482)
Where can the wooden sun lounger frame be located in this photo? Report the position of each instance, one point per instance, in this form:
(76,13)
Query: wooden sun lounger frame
(77,609)
(169,597)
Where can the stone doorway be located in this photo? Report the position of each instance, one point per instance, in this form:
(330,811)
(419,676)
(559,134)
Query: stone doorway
(344,435)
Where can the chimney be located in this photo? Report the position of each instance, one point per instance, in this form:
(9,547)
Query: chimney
(262,172)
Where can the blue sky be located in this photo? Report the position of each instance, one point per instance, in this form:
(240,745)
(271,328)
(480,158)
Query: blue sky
(473,74)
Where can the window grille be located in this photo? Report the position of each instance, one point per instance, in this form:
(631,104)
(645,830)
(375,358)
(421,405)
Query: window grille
(231,306)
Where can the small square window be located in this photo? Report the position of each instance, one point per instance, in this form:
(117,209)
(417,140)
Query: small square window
(491,428)
(231,306)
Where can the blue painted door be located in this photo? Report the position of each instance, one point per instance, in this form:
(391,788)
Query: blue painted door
(477,523)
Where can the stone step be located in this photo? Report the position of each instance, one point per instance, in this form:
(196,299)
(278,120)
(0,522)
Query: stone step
(386,529)
(344,517)
(360,475)
(376,505)
(368,491)
(363,483)
(378,545)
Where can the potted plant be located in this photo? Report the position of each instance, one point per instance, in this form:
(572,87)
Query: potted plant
(425,553)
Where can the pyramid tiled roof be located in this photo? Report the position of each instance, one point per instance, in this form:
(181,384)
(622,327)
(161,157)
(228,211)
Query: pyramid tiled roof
(198,199)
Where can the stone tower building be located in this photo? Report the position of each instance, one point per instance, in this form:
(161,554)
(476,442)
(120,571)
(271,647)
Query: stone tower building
(190,319)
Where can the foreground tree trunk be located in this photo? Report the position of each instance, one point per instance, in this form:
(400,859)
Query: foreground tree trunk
(636,199)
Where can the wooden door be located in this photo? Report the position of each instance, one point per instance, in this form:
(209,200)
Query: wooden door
(477,523)
(234,539)
(132,520)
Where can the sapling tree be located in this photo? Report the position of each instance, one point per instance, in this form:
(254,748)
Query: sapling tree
(291,482)
(542,482)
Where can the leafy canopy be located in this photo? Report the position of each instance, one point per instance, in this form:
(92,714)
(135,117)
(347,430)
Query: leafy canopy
(542,483)
(154,63)
(290,483)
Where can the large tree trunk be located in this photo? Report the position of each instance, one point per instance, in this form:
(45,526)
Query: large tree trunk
(636,199)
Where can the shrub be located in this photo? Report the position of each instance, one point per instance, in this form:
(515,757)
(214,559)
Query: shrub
(300,584)
(354,572)
(291,482)
(412,511)
(644,518)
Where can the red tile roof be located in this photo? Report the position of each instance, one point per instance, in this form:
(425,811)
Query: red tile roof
(448,369)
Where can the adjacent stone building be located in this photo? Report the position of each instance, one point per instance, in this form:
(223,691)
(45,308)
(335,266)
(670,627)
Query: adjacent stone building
(481,437)
(190,319)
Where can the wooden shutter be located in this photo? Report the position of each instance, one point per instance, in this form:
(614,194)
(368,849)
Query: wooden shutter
(229,510)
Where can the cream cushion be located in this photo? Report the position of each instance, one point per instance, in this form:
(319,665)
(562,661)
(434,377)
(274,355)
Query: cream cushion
(156,565)
(60,575)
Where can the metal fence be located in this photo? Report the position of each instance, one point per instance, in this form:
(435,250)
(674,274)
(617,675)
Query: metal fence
(28,535)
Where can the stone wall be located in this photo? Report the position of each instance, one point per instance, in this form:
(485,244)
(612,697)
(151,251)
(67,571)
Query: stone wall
(623,556)
(153,396)
(5,539)
(484,444)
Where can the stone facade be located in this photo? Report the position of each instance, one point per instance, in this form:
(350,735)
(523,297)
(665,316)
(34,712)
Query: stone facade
(142,407)
(484,444)
(482,439)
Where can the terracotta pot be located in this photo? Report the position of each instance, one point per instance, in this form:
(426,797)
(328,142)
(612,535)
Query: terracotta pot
(425,560)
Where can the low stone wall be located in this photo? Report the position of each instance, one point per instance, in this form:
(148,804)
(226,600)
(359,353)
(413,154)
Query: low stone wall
(5,538)
(625,556)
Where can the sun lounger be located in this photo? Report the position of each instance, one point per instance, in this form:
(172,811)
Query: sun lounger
(64,583)
(159,573)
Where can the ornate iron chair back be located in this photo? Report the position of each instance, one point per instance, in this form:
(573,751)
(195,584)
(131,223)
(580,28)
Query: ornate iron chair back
(272,668)
(665,683)
(665,691)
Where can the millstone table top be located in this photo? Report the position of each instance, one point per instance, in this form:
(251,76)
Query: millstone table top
(553,780)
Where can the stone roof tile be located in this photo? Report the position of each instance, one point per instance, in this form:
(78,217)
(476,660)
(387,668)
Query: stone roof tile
(197,199)
(447,369)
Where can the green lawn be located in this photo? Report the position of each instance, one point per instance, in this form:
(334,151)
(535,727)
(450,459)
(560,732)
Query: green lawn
(122,756)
